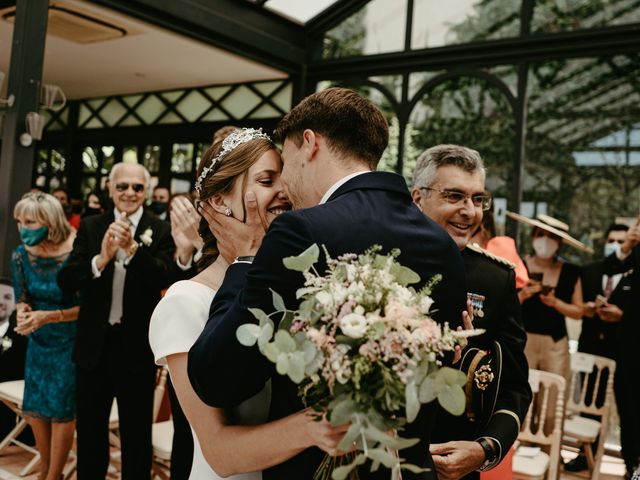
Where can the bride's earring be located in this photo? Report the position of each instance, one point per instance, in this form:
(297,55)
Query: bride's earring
(227,212)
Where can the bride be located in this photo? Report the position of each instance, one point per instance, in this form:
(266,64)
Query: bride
(238,443)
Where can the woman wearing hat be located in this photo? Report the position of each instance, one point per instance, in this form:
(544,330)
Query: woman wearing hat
(553,293)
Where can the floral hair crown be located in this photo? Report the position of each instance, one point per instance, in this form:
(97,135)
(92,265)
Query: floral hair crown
(236,138)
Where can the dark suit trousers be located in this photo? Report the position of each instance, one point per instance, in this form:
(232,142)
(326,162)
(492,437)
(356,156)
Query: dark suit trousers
(132,386)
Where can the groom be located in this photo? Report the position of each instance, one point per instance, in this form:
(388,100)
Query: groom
(333,141)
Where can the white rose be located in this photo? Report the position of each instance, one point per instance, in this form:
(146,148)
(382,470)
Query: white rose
(425,304)
(325,299)
(147,237)
(6,343)
(354,325)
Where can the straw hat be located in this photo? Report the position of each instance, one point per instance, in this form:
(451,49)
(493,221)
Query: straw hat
(552,225)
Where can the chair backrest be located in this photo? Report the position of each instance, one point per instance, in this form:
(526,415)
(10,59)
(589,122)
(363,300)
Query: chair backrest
(158,394)
(587,374)
(544,384)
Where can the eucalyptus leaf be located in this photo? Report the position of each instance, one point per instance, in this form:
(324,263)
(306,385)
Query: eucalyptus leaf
(428,392)
(296,368)
(278,302)
(405,276)
(260,315)
(453,376)
(341,412)
(382,456)
(379,436)
(352,434)
(284,341)
(402,443)
(304,261)
(266,332)
(282,363)
(271,351)
(343,471)
(414,468)
(412,403)
(248,333)
(452,399)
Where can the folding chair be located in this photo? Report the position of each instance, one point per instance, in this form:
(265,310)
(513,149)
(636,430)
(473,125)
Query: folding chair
(588,374)
(538,455)
(11,394)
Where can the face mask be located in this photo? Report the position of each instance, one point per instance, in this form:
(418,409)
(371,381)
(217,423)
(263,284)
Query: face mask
(158,207)
(545,247)
(33,236)
(91,211)
(610,248)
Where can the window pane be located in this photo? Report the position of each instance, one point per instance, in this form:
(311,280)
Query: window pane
(376,28)
(202,147)
(465,111)
(182,157)
(88,184)
(58,161)
(152,158)
(437,23)
(108,159)
(583,145)
(180,186)
(550,16)
(130,155)
(42,160)
(89,160)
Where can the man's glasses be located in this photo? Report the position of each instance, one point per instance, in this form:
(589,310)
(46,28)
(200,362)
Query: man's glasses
(454,197)
(123,187)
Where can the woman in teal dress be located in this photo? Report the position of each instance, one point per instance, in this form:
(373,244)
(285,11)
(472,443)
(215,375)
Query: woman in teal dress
(47,317)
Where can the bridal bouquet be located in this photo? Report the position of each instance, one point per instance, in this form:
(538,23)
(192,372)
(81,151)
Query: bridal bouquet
(364,350)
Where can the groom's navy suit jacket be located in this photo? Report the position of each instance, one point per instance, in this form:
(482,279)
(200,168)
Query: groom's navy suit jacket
(372,208)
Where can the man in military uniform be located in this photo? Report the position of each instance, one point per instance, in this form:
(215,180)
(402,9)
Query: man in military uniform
(449,188)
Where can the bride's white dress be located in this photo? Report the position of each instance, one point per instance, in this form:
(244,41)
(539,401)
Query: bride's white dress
(176,324)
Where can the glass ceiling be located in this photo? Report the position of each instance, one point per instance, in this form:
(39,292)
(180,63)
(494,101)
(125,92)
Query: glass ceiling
(299,11)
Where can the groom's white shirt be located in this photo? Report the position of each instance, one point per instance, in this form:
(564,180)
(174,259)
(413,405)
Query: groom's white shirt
(338,184)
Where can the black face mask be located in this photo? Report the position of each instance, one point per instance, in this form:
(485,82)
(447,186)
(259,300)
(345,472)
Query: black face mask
(91,211)
(158,207)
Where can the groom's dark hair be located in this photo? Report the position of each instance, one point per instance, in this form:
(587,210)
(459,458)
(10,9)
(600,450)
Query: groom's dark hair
(351,124)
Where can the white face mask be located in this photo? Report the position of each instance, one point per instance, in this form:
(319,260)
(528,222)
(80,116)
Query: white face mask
(545,247)
(611,247)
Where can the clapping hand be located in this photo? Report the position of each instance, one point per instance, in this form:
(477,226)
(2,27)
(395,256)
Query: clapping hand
(235,238)
(632,239)
(184,228)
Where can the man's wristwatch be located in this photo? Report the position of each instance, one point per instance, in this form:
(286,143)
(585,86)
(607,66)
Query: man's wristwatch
(244,259)
(490,453)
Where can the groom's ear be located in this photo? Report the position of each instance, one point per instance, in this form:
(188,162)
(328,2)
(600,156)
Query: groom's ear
(310,143)
(218,203)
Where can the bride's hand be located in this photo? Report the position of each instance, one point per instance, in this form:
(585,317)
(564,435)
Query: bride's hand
(321,434)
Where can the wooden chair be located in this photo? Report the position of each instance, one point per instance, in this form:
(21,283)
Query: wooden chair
(542,462)
(11,394)
(588,374)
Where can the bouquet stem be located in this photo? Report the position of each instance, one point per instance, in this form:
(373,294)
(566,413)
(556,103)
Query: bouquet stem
(329,464)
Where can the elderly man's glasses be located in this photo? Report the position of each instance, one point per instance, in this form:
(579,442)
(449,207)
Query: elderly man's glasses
(123,187)
(454,197)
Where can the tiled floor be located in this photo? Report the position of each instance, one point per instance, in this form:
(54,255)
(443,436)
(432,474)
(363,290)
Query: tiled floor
(15,459)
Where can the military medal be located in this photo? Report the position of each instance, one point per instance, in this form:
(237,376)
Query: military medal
(477,303)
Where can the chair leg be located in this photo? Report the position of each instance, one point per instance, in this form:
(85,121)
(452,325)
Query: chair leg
(588,453)
(31,466)
(17,430)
